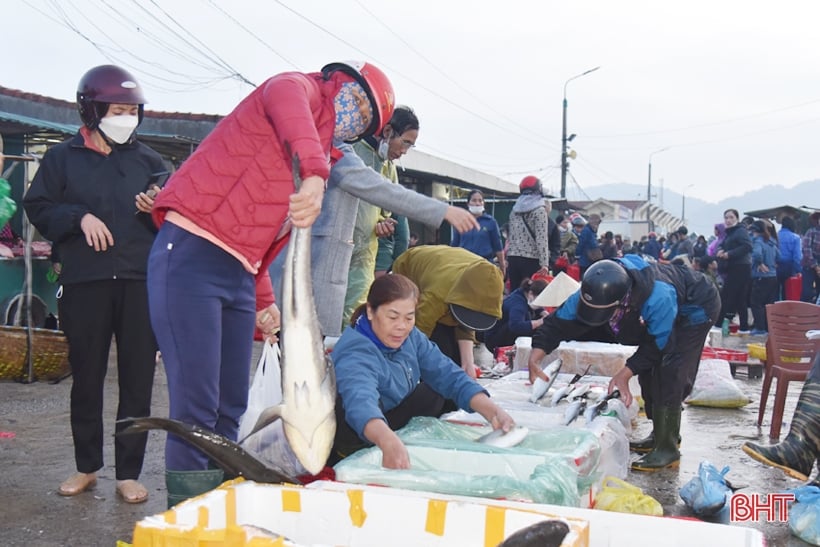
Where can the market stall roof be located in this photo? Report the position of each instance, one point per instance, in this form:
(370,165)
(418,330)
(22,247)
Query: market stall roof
(447,172)
(777,213)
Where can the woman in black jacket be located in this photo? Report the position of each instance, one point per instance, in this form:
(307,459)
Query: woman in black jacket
(736,252)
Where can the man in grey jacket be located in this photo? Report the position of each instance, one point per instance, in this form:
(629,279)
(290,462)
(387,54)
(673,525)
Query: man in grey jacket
(332,233)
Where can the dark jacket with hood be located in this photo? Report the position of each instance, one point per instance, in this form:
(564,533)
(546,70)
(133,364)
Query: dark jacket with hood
(73,180)
(662,299)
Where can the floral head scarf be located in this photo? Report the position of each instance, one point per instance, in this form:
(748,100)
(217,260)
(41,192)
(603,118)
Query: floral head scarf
(349,121)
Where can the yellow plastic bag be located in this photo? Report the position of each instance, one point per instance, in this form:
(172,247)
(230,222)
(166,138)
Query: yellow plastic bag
(621,497)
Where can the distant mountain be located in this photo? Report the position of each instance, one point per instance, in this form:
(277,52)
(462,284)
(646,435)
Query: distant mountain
(701,216)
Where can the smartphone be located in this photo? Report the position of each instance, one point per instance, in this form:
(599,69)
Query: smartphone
(157,179)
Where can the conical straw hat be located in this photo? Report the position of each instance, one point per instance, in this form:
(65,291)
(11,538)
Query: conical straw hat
(557,291)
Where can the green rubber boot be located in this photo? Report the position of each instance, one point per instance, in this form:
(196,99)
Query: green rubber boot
(665,453)
(646,444)
(796,454)
(182,485)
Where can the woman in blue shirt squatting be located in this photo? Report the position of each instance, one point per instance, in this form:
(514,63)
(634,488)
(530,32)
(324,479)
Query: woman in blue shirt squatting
(387,371)
(518,318)
(664,309)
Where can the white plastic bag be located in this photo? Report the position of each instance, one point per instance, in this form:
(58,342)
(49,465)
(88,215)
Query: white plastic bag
(266,388)
(269,444)
(715,387)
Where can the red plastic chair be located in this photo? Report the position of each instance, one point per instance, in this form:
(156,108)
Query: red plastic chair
(789,354)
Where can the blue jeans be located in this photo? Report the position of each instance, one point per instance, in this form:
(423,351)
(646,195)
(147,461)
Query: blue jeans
(203,311)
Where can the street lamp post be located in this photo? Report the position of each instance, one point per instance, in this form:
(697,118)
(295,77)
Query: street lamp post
(564,164)
(683,205)
(649,188)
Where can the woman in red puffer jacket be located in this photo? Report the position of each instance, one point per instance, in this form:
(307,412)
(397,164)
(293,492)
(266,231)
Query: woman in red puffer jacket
(223,217)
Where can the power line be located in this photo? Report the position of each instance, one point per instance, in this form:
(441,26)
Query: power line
(444,73)
(258,39)
(408,78)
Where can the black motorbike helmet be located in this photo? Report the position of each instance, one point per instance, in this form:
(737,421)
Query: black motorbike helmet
(603,288)
(103,85)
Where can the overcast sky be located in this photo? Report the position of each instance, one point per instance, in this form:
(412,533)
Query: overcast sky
(730,87)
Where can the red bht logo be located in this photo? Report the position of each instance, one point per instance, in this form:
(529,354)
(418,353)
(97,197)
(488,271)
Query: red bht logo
(760,508)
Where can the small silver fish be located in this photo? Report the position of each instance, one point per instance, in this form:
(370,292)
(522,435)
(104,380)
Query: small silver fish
(501,439)
(595,410)
(578,391)
(575,409)
(560,394)
(539,386)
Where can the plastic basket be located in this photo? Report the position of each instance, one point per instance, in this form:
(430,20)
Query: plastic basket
(732,355)
(50,349)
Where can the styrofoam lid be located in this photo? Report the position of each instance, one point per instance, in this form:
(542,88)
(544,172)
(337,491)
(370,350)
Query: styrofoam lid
(557,291)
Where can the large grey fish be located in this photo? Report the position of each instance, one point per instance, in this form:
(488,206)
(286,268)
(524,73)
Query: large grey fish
(308,376)
(547,533)
(228,455)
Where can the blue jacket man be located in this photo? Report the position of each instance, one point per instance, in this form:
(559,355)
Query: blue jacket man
(664,309)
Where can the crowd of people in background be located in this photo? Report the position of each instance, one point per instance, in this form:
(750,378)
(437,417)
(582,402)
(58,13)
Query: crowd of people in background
(750,261)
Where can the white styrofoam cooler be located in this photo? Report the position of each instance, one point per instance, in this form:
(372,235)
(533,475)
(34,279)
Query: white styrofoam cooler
(331,513)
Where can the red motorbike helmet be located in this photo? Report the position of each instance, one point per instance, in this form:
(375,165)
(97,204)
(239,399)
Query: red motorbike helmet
(378,88)
(530,184)
(102,86)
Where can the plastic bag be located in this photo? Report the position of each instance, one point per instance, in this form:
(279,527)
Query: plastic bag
(446,458)
(715,387)
(266,388)
(7,205)
(503,473)
(804,514)
(270,444)
(706,494)
(621,497)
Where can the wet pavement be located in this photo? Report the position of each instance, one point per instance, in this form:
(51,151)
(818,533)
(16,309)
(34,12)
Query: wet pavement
(40,456)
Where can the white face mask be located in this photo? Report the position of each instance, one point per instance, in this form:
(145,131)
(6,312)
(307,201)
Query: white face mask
(119,128)
(476,209)
(383,148)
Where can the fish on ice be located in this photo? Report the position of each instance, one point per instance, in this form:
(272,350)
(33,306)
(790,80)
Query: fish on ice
(540,386)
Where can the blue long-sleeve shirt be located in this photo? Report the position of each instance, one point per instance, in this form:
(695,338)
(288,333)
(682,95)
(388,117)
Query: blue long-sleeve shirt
(587,241)
(791,250)
(485,241)
(373,380)
(764,253)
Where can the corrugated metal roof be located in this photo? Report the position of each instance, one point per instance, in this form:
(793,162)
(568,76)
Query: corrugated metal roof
(70,129)
(426,163)
(38,123)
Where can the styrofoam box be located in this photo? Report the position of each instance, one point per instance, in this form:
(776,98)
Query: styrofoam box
(595,358)
(328,513)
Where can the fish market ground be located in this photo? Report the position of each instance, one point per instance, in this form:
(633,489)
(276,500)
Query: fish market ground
(40,456)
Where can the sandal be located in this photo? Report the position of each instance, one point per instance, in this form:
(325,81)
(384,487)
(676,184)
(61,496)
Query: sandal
(131,491)
(77,484)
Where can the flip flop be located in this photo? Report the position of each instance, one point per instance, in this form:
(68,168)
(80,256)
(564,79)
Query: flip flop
(131,491)
(77,484)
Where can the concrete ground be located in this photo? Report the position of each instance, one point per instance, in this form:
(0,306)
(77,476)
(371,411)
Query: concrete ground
(39,456)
